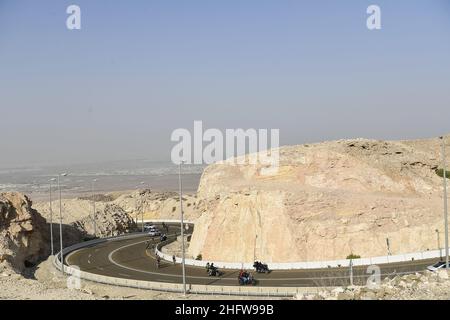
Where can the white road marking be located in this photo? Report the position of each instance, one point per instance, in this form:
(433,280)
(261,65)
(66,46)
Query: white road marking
(213,278)
(154,273)
(223,279)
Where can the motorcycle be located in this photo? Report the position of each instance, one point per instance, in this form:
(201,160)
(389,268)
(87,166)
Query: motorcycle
(261,268)
(214,272)
(246,279)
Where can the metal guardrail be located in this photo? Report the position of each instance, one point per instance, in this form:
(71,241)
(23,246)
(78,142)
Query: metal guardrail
(171,287)
(191,288)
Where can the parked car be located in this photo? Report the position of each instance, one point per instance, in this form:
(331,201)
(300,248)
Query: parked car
(437,266)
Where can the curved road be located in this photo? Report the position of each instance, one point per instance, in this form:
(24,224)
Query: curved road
(130,259)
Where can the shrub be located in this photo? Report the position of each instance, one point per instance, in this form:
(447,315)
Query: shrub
(199,257)
(353,256)
(440,173)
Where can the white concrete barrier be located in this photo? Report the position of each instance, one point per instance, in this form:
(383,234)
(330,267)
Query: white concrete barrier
(313,264)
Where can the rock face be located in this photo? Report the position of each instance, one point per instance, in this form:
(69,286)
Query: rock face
(152,205)
(23,232)
(110,221)
(326,201)
(159,205)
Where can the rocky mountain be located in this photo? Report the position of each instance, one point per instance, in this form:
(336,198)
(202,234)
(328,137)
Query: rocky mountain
(325,201)
(159,205)
(23,233)
(150,205)
(112,220)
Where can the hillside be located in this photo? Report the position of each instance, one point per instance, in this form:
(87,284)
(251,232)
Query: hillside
(327,200)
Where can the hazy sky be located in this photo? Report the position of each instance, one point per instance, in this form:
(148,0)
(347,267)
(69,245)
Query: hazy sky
(140,69)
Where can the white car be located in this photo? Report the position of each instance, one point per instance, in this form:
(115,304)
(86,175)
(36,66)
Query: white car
(437,266)
(153,232)
(149,227)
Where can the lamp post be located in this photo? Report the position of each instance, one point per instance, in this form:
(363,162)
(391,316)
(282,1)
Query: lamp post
(60,223)
(444,175)
(439,244)
(136,208)
(51,218)
(142,209)
(182,228)
(254,248)
(93,206)
(351,272)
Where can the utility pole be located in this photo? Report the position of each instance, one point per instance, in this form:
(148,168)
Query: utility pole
(182,228)
(51,218)
(444,175)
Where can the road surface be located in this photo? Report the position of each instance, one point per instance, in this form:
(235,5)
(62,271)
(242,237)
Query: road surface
(130,259)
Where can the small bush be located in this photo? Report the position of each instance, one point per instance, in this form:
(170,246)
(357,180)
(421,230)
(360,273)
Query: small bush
(174,208)
(440,173)
(353,256)
(199,257)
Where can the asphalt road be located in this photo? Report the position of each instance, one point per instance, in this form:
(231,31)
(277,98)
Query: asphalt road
(130,259)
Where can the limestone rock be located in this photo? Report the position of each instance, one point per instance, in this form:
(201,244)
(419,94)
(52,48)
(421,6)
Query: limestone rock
(23,232)
(112,220)
(138,204)
(326,200)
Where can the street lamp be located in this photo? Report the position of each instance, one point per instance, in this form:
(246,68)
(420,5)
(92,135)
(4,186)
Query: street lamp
(142,209)
(444,175)
(182,228)
(60,223)
(93,206)
(351,272)
(439,244)
(135,207)
(51,217)
(254,248)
